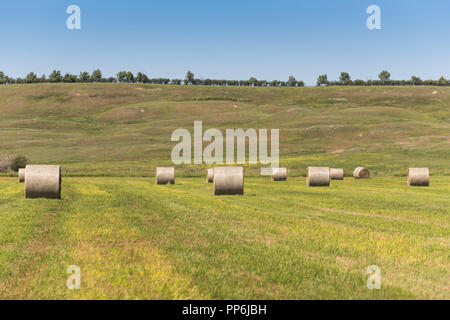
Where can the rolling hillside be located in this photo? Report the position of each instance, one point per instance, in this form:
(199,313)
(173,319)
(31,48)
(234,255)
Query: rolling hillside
(125,129)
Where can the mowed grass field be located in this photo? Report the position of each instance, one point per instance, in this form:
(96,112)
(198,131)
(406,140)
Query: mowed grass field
(281,240)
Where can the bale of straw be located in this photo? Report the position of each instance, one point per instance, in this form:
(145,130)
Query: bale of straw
(418,177)
(337,174)
(43,182)
(318,177)
(21,175)
(228,180)
(210,175)
(279,174)
(361,173)
(165,175)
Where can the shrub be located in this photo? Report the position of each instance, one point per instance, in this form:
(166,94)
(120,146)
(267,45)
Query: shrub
(5,164)
(19,162)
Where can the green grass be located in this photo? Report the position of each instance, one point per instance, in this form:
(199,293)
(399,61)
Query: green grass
(125,129)
(133,239)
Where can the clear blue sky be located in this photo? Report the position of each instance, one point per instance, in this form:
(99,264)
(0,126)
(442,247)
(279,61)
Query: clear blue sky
(232,39)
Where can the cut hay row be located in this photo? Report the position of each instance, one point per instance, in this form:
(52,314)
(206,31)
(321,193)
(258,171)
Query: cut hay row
(44,181)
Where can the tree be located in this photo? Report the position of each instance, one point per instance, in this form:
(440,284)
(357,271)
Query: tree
(140,77)
(344,78)
(19,162)
(31,78)
(69,78)
(96,75)
(442,81)
(189,78)
(84,77)
(122,76)
(252,81)
(145,79)
(322,80)
(292,82)
(130,77)
(274,83)
(416,81)
(384,76)
(55,76)
(300,83)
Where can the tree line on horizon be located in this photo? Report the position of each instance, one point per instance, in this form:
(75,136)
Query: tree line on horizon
(384,78)
(129,77)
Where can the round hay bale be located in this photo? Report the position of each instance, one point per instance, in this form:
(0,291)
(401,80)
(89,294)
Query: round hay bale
(279,174)
(165,175)
(21,175)
(210,175)
(361,173)
(43,182)
(228,180)
(318,177)
(337,174)
(419,177)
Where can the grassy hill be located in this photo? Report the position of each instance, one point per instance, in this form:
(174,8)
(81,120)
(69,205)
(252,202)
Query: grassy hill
(124,129)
